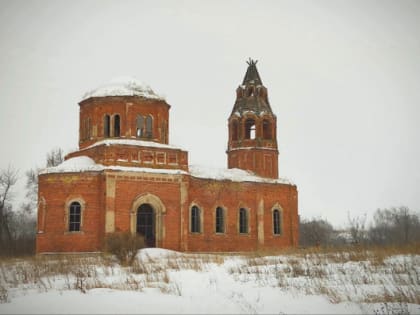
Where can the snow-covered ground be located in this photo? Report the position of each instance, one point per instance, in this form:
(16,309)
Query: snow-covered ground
(162,281)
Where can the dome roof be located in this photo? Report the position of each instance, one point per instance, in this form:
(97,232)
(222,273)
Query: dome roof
(123,86)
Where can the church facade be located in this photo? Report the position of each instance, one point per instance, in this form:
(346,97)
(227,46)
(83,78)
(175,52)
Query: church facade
(127,177)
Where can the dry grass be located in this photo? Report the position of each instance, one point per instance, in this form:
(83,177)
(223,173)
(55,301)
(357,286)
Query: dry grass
(345,274)
(360,275)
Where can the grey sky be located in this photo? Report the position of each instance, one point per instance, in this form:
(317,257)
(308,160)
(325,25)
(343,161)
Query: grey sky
(343,79)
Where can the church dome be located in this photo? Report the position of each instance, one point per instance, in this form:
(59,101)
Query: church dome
(123,86)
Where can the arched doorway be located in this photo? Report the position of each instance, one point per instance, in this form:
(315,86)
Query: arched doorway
(146,219)
(159,211)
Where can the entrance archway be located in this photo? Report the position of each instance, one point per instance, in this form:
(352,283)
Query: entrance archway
(146,224)
(159,211)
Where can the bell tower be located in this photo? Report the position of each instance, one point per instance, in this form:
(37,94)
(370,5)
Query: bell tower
(252,143)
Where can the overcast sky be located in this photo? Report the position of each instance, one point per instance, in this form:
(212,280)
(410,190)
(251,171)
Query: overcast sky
(343,78)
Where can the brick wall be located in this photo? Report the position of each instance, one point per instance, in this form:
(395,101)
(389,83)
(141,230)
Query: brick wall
(258,199)
(114,194)
(264,162)
(57,191)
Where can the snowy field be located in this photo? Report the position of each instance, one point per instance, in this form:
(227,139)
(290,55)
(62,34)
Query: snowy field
(162,281)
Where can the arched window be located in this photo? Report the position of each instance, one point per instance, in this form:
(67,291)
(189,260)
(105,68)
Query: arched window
(149,123)
(235,130)
(195,220)
(276,222)
(250,128)
(106,126)
(140,126)
(75,217)
(243,221)
(266,129)
(220,220)
(116,125)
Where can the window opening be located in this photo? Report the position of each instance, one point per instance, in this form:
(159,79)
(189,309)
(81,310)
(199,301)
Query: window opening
(106,126)
(75,212)
(195,220)
(276,222)
(243,221)
(250,128)
(116,125)
(220,225)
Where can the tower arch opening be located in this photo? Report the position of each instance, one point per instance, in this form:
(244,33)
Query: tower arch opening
(250,131)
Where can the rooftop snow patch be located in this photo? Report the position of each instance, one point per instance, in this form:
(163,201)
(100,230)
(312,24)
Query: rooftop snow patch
(140,143)
(233,174)
(86,164)
(123,86)
(76,164)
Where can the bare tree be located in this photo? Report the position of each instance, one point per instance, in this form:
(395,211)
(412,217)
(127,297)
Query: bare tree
(55,157)
(8,178)
(357,228)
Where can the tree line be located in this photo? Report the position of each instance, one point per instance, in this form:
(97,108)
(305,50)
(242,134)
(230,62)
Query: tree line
(394,226)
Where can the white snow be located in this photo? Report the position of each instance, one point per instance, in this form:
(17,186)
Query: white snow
(233,174)
(76,164)
(133,142)
(123,86)
(86,164)
(184,283)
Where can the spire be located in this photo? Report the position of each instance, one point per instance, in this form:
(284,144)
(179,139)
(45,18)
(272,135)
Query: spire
(252,96)
(251,75)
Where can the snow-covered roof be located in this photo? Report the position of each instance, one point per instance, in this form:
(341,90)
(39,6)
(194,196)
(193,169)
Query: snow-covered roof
(135,142)
(86,164)
(123,86)
(233,174)
(76,164)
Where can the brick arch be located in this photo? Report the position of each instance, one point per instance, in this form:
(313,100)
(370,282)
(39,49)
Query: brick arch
(160,211)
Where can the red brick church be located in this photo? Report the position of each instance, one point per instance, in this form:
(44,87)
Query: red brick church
(126,177)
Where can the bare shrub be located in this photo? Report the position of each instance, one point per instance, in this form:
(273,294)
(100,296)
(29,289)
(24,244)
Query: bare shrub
(124,246)
(315,232)
(297,269)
